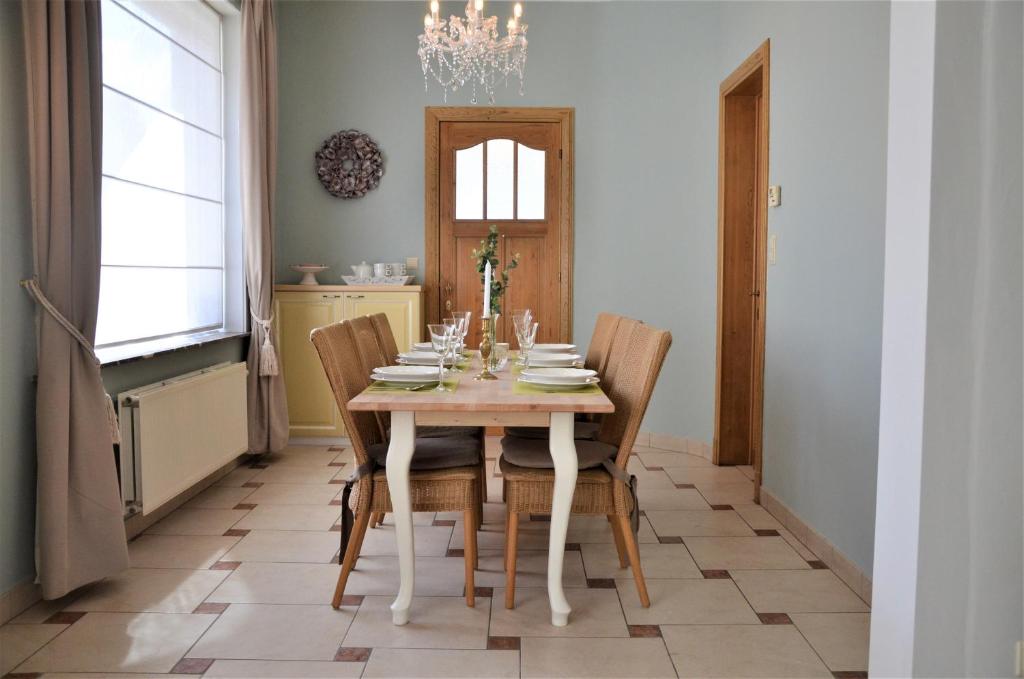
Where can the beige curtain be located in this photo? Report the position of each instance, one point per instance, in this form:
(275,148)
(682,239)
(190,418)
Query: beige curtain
(80,534)
(268,410)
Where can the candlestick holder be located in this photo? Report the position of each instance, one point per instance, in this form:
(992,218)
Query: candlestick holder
(486,347)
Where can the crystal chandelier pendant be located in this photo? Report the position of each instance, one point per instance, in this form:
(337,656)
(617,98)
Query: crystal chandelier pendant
(469,52)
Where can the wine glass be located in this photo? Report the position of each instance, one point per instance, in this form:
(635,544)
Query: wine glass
(467,316)
(520,319)
(527,336)
(458,324)
(442,336)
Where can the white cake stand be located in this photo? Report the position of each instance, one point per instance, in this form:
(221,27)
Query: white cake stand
(309,272)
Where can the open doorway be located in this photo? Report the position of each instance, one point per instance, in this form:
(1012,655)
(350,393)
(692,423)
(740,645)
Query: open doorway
(742,235)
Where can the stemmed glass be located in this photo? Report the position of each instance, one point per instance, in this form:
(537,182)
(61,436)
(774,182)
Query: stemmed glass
(458,323)
(466,316)
(521,318)
(527,336)
(442,338)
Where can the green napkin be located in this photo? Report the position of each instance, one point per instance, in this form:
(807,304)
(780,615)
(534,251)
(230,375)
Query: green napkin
(450,385)
(526,388)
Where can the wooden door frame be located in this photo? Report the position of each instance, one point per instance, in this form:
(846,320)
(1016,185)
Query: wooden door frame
(434,116)
(757,63)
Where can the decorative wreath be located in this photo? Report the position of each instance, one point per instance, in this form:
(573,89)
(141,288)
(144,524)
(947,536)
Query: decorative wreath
(349,164)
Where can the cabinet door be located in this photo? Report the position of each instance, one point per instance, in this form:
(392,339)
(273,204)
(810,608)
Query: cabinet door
(401,308)
(312,410)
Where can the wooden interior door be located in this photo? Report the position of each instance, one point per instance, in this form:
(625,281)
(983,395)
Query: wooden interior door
(507,174)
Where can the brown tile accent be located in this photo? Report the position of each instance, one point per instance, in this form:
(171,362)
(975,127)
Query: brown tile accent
(252,484)
(670,540)
(336,528)
(443,522)
(236,532)
(818,565)
(647,631)
(643,512)
(573,547)
(64,618)
(336,482)
(336,449)
(211,608)
(245,505)
(335,464)
(225,565)
(654,469)
(685,485)
(192,666)
(335,503)
(456,552)
(353,654)
(23,675)
(503,643)
(540,517)
(352,600)
(721,508)
(601,583)
(716,575)
(774,619)
(258,465)
(850,675)
(483,592)
(767,532)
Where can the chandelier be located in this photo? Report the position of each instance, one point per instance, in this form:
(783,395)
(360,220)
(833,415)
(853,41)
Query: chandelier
(469,52)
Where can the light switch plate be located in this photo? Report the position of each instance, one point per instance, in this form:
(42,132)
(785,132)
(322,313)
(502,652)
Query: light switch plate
(774,196)
(772,243)
(412,262)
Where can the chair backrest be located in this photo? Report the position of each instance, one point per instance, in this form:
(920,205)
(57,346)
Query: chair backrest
(336,345)
(385,337)
(600,342)
(630,391)
(372,356)
(618,347)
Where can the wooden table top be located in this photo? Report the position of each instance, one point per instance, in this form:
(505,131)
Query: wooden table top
(492,396)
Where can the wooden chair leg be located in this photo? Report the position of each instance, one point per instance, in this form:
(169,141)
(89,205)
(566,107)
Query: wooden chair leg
(469,555)
(634,559)
(376,519)
(511,545)
(620,543)
(482,495)
(355,543)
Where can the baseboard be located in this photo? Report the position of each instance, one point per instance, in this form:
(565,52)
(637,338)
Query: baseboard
(678,444)
(840,564)
(319,441)
(18,599)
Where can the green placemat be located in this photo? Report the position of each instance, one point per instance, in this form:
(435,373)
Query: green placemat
(525,388)
(450,385)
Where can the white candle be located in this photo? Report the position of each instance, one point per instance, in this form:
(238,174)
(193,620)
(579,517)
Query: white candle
(487,290)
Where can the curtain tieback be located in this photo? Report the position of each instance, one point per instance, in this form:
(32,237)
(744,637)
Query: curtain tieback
(268,355)
(31,285)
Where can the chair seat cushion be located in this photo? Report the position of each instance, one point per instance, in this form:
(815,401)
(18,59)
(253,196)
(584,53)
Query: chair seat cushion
(583,431)
(534,453)
(434,431)
(436,453)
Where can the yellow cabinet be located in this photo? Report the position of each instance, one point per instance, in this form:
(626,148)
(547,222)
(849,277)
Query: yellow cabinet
(298,310)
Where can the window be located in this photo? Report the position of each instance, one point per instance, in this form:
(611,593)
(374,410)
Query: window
(501,179)
(163,259)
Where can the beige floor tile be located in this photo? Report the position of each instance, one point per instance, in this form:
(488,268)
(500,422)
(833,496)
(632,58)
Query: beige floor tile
(687,523)
(744,553)
(435,622)
(493,537)
(219,497)
(293,494)
(18,642)
(841,639)
(712,475)
(686,602)
(795,543)
(429,541)
(758,517)
(680,498)
(656,560)
(289,546)
(746,470)
(813,591)
(284,669)
(347,457)
(296,474)
(418,518)
(435,576)
(727,493)
(656,480)
(120,642)
(269,632)
(150,590)
(531,569)
(291,517)
(596,529)
(197,522)
(301,456)
(407,663)
(612,658)
(119,675)
(238,476)
(741,651)
(666,459)
(256,582)
(178,551)
(41,610)
(595,613)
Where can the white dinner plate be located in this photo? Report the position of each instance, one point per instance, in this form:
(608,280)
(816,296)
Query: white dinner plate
(548,382)
(387,379)
(428,346)
(560,375)
(406,373)
(422,358)
(555,348)
(554,360)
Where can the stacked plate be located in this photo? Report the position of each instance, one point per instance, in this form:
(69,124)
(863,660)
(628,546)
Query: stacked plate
(422,358)
(555,348)
(567,378)
(406,374)
(427,346)
(554,360)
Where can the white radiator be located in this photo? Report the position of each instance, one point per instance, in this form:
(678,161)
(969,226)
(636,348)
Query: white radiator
(177,432)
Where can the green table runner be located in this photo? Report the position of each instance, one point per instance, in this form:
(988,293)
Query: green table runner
(450,385)
(527,388)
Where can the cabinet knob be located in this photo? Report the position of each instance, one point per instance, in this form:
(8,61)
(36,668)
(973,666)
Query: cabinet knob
(355,296)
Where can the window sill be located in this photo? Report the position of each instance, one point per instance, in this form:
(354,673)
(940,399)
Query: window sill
(137,351)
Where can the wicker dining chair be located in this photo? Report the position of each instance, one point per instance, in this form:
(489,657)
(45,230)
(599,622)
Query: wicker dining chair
(602,485)
(444,472)
(600,342)
(385,336)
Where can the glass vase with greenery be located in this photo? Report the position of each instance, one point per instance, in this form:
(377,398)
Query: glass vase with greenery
(488,252)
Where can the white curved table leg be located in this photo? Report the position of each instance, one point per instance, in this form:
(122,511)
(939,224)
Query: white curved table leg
(563,453)
(403,435)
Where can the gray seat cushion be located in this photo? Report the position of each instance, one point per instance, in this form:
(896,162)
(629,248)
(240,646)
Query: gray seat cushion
(434,431)
(436,453)
(584,431)
(534,453)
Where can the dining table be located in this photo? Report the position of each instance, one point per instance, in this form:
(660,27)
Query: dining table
(482,403)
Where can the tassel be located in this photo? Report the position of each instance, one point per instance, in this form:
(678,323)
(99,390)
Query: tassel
(268,357)
(112,423)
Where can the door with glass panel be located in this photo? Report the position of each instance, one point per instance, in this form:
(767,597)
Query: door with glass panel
(507,174)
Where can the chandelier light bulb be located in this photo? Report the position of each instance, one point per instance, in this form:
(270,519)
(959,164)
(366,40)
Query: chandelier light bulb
(428,21)
(434,7)
(517,11)
(511,25)
(478,5)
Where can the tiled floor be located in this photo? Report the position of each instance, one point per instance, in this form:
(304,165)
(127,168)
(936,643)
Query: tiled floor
(237,583)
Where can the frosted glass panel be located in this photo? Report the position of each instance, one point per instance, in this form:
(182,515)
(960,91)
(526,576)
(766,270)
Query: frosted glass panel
(142,63)
(148,147)
(138,302)
(469,183)
(144,226)
(191,24)
(531,183)
(500,162)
